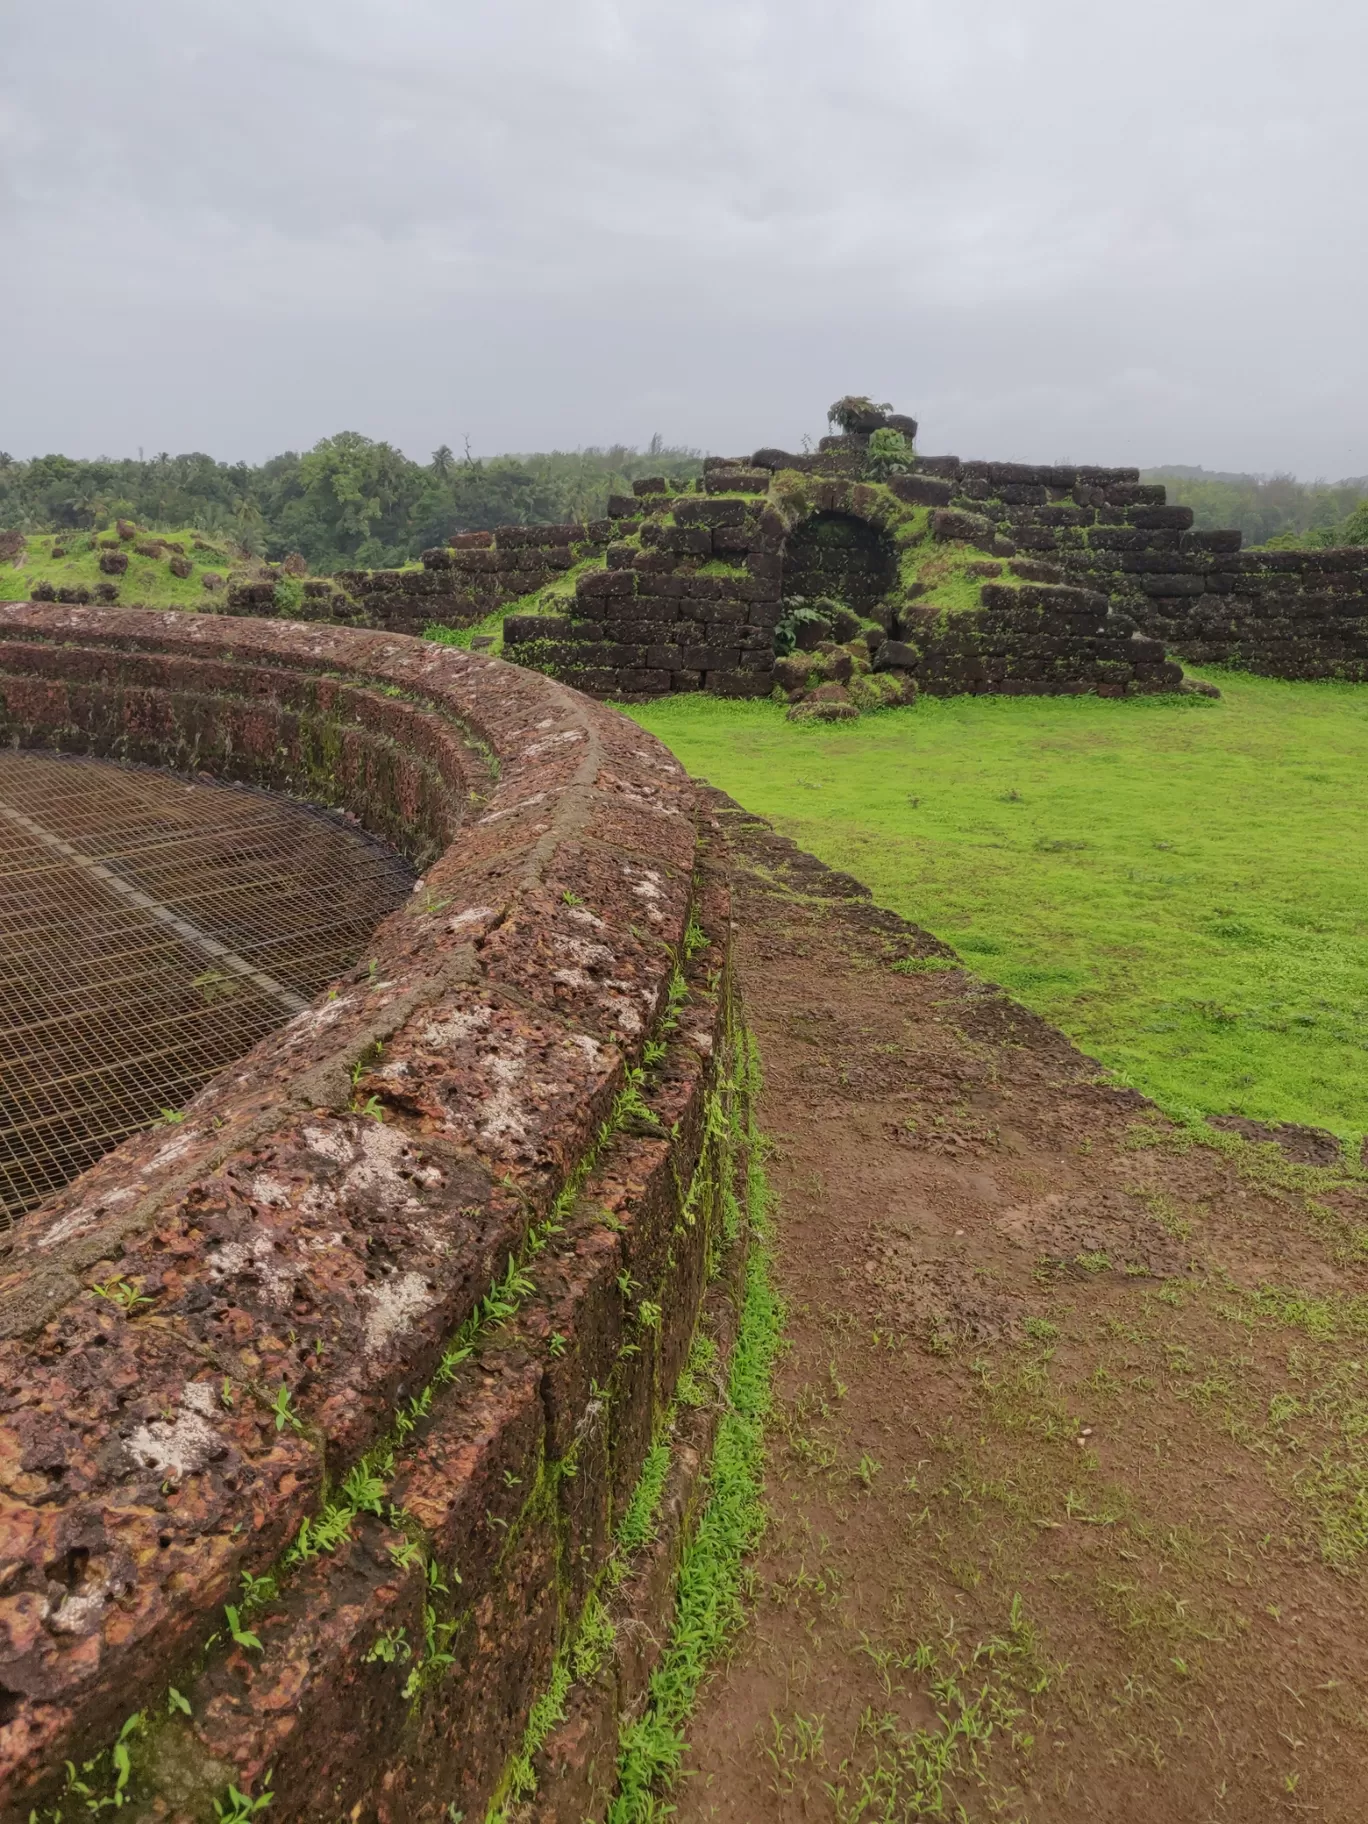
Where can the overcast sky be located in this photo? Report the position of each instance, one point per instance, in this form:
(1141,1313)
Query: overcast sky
(1051,230)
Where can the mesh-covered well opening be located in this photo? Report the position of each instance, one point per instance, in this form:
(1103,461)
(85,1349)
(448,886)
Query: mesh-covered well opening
(152,929)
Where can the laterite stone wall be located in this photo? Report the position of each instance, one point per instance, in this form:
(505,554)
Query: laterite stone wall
(456,585)
(691,604)
(1287,614)
(695,584)
(319,1409)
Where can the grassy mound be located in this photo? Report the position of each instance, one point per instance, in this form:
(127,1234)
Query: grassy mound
(1181,885)
(71,561)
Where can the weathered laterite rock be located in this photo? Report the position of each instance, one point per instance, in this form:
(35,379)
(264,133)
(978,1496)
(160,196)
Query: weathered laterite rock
(301,1252)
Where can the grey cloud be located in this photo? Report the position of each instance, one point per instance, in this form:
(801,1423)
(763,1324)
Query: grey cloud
(1048,228)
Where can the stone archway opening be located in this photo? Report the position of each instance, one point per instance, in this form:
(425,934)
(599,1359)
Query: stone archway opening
(841,557)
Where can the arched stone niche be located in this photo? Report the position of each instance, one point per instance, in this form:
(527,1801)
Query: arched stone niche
(841,555)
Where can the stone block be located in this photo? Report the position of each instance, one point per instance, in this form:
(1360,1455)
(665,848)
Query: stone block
(1173,585)
(519,628)
(696,512)
(948,467)
(686,541)
(751,479)
(704,588)
(1168,519)
(954,524)
(738,683)
(595,585)
(897,655)
(709,658)
(922,490)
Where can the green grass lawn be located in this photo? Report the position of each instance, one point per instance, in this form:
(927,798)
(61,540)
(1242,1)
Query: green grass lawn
(148,582)
(1181,884)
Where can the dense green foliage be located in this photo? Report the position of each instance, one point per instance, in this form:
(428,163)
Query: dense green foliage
(1180,884)
(1271,508)
(347,502)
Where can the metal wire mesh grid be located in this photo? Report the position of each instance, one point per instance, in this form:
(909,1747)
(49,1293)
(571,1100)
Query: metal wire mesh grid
(152,929)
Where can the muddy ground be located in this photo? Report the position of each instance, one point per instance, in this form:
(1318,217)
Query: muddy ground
(1069,1466)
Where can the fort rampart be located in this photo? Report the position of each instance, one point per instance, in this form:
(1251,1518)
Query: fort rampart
(324,1402)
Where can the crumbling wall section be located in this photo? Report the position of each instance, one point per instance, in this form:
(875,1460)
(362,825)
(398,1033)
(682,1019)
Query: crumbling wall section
(687,598)
(322,1403)
(454,585)
(1288,614)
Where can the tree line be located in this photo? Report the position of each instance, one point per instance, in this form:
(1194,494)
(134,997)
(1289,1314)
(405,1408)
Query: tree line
(349,502)
(1271,509)
(352,502)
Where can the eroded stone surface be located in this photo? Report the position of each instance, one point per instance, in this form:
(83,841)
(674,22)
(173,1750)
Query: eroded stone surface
(280,1272)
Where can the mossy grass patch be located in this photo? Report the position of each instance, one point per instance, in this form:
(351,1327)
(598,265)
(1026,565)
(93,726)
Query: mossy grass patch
(148,581)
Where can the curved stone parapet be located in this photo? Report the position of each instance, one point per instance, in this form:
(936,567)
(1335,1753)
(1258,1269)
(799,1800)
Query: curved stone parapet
(319,1404)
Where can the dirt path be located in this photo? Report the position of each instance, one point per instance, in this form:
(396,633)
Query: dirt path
(1069,1473)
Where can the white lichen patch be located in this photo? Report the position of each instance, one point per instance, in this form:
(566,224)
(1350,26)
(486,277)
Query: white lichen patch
(659,762)
(80,1610)
(521,805)
(176,1448)
(383,1172)
(501,1114)
(83,1217)
(622,1010)
(471,916)
(647,886)
(268,1190)
(173,1150)
(257,1255)
(228,1258)
(201,1397)
(582,916)
(333,1143)
(455,1028)
(543,747)
(645,801)
(393,1305)
(315,1019)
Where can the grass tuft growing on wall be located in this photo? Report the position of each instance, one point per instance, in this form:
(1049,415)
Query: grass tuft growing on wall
(708,1592)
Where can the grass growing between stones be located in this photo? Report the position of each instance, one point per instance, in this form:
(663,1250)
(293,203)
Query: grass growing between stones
(1180,884)
(709,1603)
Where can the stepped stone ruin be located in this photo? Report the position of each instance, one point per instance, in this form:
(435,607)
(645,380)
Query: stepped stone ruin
(938,575)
